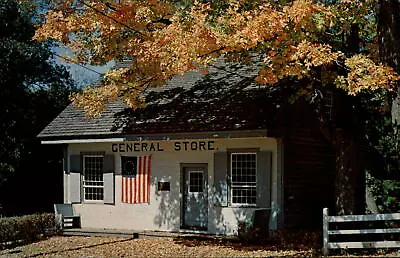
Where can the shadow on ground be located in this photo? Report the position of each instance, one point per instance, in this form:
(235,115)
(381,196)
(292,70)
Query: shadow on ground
(234,243)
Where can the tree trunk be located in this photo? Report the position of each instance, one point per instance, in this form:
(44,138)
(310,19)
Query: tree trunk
(348,139)
(389,42)
(389,53)
(389,32)
(350,175)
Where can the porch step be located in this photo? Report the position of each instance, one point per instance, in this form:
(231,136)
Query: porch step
(100,232)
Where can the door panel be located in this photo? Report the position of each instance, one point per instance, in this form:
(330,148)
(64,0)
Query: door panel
(195,210)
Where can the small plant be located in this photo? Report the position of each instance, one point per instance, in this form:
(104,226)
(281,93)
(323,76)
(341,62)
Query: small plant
(248,233)
(244,231)
(385,192)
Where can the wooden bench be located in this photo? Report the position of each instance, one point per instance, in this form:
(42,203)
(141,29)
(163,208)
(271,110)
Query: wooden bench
(66,216)
(327,244)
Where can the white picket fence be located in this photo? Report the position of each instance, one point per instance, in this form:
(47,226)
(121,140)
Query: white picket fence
(356,218)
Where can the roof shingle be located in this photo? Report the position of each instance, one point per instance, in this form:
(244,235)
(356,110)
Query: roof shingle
(223,99)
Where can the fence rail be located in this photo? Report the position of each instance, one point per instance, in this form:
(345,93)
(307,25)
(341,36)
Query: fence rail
(358,218)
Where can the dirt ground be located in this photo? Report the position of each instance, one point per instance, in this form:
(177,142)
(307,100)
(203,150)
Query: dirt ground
(189,246)
(77,246)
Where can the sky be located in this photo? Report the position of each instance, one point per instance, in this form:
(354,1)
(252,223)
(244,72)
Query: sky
(82,75)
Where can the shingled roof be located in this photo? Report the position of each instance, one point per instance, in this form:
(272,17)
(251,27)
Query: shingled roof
(227,98)
(72,123)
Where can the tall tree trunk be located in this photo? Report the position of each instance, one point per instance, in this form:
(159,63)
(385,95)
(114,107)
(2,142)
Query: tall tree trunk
(389,53)
(389,43)
(389,32)
(348,142)
(350,174)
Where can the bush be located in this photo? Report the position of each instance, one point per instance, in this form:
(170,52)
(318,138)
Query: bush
(250,234)
(26,229)
(386,193)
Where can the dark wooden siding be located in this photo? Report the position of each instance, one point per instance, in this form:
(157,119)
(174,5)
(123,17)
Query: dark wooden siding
(309,180)
(309,168)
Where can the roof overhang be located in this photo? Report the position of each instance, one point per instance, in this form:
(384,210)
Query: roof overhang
(65,141)
(167,136)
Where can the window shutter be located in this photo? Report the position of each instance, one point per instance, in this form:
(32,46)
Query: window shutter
(108,177)
(65,159)
(109,188)
(264,179)
(75,169)
(75,187)
(75,164)
(108,166)
(220,178)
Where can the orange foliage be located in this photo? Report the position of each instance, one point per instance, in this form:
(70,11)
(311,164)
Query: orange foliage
(163,41)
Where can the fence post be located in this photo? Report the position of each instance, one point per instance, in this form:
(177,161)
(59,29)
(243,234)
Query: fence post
(325,231)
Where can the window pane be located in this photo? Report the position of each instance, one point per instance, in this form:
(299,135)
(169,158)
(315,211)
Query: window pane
(244,195)
(92,193)
(93,183)
(195,181)
(243,178)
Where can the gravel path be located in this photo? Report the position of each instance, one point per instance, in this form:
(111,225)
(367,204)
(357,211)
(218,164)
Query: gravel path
(75,246)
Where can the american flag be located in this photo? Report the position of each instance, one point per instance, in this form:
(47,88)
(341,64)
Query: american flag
(136,185)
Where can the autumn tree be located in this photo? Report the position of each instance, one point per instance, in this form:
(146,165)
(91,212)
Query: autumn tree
(330,45)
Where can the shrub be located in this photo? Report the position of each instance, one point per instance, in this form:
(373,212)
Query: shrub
(386,193)
(250,234)
(26,229)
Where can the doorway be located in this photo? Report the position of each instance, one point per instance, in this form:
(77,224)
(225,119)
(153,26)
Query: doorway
(194,197)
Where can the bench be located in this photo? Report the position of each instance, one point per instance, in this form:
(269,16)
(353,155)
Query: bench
(66,216)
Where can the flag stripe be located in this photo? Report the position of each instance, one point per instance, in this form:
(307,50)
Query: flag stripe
(143,181)
(144,176)
(122,189)
(123,199)
(148,179)
(137,189)
(140,180)
(136,195)
(130,181)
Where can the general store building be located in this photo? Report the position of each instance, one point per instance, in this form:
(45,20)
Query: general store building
(207,153)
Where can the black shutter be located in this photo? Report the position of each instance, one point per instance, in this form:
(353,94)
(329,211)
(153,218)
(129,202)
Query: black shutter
(75,163)
(108,164)
(264,179)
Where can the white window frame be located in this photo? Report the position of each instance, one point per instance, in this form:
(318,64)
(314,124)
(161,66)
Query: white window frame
(84,187)
(232,186)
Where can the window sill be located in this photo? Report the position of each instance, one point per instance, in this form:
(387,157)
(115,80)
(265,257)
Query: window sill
(93,202)
(242,206)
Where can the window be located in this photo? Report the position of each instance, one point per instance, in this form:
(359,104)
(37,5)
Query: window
(243,178)
(196,181)
(93,181)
